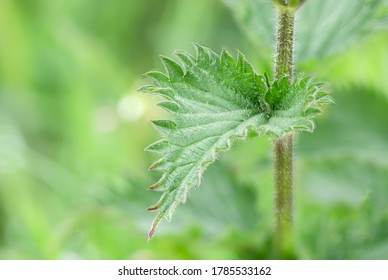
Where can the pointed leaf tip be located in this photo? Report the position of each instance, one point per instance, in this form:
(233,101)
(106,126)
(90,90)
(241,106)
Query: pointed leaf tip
(169,106)
(160,164)
(313,111)
(154,186)
(151,234)
(146,88)
(226,59)
(186,58)
(174,70)
(167,93)
(165,125)
(243,65)
(157,76)
(157,147)
(153,208)
(203,55)
(153,166)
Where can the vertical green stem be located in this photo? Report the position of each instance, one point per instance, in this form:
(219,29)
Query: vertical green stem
(285,44)
(284,146)
(284,195)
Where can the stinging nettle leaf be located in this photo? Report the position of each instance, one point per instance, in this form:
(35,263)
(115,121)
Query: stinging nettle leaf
(215,100)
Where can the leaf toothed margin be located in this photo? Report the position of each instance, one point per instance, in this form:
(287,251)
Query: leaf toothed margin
(215,99)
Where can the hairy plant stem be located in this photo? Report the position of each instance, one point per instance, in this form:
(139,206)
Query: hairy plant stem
(283,147)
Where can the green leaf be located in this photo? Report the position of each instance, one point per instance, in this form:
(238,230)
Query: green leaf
(323,28)
(343,179)
(355,126)
(218,99)
(347,200)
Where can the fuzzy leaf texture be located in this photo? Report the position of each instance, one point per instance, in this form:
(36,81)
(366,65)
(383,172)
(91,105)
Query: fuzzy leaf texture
(215,99)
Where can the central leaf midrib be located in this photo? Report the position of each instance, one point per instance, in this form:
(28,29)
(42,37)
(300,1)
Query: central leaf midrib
(207,153)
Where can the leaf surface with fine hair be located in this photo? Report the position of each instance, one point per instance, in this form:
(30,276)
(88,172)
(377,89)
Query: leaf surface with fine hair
(213,100)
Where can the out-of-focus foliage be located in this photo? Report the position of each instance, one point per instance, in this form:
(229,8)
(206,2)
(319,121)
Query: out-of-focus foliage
(324,27)
(73,128)
(345,175)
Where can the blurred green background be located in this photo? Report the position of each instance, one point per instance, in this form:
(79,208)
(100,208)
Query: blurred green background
(73,171)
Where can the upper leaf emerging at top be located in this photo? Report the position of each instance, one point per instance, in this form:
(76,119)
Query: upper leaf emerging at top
(214,99)
(291,5)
